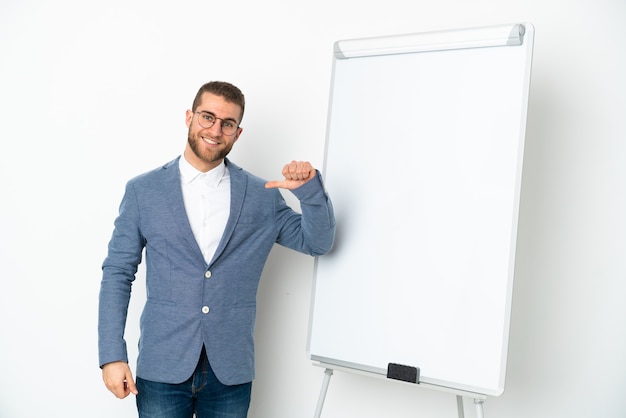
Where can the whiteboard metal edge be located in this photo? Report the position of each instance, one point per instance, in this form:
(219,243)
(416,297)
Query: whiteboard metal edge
(436,384)
(325,158)
(423,385)
(529,44)
(479,37)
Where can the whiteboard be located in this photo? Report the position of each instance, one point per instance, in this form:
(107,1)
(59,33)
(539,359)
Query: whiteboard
(423,163)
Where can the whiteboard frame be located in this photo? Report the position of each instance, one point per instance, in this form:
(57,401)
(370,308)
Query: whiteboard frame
(513,35)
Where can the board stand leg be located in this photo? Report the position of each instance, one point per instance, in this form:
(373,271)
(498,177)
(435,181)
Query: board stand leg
(477,402)
(459,406)
(479,408)
(320,402)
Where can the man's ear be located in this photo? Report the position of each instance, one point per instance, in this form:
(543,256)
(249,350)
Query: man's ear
(239,131)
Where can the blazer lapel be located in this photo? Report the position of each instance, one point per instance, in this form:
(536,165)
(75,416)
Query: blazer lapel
(238,184)
(174,196)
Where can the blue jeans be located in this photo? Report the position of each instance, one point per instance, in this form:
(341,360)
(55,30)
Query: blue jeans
(202,394)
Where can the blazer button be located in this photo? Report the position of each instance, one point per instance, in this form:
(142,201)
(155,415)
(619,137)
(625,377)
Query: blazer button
(207,274)
(205,309)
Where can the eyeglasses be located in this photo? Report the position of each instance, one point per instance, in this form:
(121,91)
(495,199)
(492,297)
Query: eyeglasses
(206,120)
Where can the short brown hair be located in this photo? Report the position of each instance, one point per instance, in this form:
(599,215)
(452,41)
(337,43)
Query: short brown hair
(229,92)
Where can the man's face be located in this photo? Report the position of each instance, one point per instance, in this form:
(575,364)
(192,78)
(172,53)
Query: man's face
(207,147)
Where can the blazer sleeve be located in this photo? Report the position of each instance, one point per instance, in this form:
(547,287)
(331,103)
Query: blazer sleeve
(118,273)
(312,232)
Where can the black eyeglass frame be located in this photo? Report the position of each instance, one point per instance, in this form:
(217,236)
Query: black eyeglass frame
(215,119)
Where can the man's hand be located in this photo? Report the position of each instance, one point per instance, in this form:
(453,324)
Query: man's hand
(119,379)
(296,174)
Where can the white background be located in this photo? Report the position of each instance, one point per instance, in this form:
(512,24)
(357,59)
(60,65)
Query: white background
(92,94)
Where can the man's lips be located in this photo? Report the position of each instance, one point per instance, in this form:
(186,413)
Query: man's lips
(209,141)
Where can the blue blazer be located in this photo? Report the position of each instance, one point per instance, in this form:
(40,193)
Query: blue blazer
(189,303)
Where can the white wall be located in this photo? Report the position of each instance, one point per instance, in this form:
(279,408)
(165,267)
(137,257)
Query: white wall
(92,94)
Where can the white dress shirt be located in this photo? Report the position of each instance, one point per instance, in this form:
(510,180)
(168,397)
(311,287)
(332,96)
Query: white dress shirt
(207,202)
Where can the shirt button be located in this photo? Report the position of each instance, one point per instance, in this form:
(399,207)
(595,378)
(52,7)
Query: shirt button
(207,274)
(205,309)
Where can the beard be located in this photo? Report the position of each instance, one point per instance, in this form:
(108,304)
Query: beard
(205,155)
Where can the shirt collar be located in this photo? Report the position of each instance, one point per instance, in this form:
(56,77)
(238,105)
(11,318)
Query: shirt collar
(189,173)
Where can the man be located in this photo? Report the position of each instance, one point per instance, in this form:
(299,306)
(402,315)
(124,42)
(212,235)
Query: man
(207,228)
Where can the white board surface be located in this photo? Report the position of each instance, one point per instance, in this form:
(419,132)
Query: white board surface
(423,164)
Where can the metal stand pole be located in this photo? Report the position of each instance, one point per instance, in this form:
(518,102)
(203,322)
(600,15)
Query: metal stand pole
(459,406)
(320,402)
(479,408)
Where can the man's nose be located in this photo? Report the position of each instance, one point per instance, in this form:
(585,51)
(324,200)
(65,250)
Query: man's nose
(216,129)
